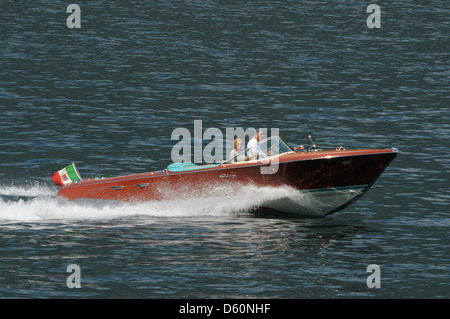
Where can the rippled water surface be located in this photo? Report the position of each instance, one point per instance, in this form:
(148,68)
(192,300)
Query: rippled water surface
(108,96)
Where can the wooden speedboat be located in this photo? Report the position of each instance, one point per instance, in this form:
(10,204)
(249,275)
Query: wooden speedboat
(321,181)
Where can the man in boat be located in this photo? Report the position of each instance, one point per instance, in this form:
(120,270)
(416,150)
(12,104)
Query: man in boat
(253,149)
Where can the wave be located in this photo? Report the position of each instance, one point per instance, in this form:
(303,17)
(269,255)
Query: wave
(32,190)
(39,203)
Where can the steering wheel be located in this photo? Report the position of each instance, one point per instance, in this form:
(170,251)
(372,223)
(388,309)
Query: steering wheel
(271,150)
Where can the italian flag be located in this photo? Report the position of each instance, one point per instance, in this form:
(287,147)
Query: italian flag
(67,175)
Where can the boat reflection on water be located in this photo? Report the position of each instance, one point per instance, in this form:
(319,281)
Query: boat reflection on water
(313,182)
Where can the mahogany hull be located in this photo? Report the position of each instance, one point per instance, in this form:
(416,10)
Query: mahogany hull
(346,174)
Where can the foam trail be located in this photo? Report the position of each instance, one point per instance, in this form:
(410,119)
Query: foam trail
(40,209)
(28,191)
(45,206)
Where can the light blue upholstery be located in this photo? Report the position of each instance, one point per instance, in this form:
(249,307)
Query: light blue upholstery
(187,166)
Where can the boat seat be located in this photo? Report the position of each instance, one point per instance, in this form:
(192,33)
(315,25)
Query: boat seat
(187,166)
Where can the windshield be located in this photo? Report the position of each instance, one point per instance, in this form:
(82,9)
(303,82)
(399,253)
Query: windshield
(274,146)
(268,147)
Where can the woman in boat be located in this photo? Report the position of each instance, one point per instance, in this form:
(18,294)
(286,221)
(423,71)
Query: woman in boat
(234,154)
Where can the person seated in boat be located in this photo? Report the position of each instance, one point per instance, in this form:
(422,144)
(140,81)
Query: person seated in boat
(234,154)
(253,149)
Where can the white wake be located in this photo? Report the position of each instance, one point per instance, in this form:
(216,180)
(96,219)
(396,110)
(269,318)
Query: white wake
(39,203)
